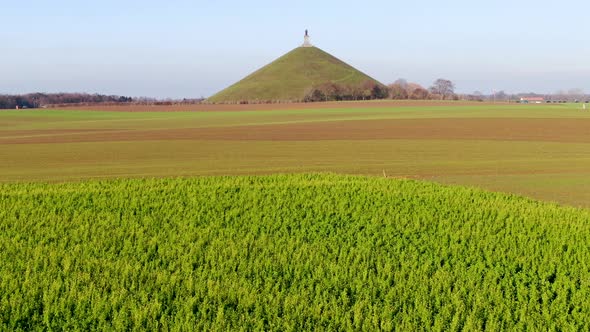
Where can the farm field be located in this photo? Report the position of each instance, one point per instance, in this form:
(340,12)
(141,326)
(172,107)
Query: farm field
(288,253)
(541,151)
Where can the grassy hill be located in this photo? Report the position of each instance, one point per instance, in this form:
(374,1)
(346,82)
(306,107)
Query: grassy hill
(289,77)
(288,253)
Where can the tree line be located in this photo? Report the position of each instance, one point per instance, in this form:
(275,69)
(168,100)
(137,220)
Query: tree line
(335,92)
(441,89)
(37,100)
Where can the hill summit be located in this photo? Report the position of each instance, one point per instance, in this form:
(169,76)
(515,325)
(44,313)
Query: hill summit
(303,73)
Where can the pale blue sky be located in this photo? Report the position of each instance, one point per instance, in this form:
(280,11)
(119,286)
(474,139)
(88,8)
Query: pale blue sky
(195,48)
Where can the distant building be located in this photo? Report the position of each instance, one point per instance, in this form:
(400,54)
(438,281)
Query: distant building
(532,100)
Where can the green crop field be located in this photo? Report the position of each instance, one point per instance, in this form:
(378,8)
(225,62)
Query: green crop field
(288,253)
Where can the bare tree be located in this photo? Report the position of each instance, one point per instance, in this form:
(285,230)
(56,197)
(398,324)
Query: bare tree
(397,91)
(443,87)
(402,82)
(367,89)
(412,87)
(419,94)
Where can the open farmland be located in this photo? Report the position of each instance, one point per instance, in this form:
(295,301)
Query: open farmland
(542,151)
(288,253)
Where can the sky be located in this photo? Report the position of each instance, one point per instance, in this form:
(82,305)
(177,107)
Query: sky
(192,49)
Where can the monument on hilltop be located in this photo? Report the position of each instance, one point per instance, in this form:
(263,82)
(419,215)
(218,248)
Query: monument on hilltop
(306,42)
(295,75)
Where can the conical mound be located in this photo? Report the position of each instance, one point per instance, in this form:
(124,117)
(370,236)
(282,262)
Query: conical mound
(291,76)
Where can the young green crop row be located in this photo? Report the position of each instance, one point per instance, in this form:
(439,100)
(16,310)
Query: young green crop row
(288,252)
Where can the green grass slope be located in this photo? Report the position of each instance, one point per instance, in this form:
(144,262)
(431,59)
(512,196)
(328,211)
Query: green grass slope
(289,77)
(288,253)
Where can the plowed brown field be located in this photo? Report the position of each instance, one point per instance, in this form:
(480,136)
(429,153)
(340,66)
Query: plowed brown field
(550,130)
(278,106)
(542,151)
